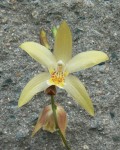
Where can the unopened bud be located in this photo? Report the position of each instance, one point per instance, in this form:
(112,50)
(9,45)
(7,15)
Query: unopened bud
(43,39)
(51,90)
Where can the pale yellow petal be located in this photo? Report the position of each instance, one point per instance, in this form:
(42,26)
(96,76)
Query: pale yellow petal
(63,43)
(39,53)
(77,90)
(85,60)
(35,85)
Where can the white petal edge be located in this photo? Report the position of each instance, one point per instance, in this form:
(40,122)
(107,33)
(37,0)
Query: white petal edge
(35,85)
(85,60)
(39,53)
(76,89)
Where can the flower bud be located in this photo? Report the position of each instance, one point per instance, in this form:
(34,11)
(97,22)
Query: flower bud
(43,39)
(51,90)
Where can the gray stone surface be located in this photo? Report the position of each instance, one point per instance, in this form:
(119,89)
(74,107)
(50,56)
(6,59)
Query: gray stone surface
(95,24)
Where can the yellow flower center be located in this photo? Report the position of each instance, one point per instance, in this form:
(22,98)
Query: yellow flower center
(58,76)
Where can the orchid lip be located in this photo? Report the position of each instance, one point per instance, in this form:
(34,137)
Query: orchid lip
(58,75)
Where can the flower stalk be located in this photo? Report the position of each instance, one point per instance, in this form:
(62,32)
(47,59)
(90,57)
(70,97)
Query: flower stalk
(56,123)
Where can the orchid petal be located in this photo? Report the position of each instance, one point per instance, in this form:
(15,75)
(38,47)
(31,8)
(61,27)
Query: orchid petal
(62,119)
(39,53)
(85,60)
(63,43)
(37,84)
(77,90)
(42,119)
(37,127)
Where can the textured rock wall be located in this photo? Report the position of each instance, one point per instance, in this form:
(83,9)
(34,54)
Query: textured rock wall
(95,24)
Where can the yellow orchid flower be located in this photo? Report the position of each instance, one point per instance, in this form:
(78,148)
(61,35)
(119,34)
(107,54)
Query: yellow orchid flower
(60,64)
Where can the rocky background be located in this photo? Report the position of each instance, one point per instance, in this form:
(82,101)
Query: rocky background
(95,24)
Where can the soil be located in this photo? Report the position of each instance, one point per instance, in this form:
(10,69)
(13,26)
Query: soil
(95,24)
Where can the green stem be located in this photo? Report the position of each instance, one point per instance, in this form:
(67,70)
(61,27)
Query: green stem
(56,122)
